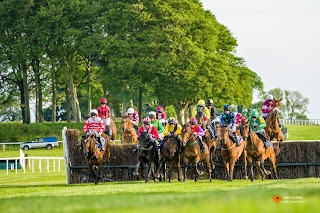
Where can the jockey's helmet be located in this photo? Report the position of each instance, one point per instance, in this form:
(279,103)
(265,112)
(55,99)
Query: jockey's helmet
(146,120)
(209,102)
(159,109)
(239,115)
(130,111)
(171,120)
(254,113)
(93,112)
(193,121)
(201,102)
(226,107)
(269,97)
(103,101)
(152,114)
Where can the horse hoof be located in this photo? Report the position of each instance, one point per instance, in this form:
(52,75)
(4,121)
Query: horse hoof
(246,177)
(252,180)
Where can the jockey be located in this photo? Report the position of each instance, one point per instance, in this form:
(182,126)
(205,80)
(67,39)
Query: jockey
(227,119)
(156,123)
(200,107)
(198,132)
(258,124)
(152,133)
(239,119)
(267,107)
(172,128)
(105,115)
(161,115)
(212,115)
(96,124)
(134,117)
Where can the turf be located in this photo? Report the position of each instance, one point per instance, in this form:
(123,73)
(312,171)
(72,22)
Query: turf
(48,192)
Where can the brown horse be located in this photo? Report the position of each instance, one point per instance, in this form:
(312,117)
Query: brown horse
(113,128)
(258,154)
(146,155)
(129,135)
(272,126)
(230,153)
(211,143)
(94,155)
(192,154)
(170,153)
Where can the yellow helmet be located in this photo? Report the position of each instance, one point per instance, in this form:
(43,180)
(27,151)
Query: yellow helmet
(201,102)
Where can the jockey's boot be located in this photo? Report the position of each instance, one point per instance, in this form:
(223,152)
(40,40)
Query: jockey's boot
(179,145)
(108,130)
(137,148)
(202,148)
(102,144)
(234,139)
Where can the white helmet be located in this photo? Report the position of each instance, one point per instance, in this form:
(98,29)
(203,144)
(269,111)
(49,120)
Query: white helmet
(270,97)
(94,111)
(152,114)
(130,111)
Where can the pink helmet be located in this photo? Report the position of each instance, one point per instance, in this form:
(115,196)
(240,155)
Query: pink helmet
(243,120)
(239,115)
(146,120)
(103,100)
(159,109)
(193,121)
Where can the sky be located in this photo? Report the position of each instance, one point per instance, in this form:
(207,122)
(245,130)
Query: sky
(279,40)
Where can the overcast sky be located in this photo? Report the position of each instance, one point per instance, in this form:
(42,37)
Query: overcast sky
(279,40)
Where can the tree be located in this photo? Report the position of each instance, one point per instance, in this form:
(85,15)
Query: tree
(296,105)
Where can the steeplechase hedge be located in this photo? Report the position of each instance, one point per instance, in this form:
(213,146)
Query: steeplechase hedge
(296,160)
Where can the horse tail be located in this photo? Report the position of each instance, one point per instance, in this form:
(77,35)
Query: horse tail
(277,150)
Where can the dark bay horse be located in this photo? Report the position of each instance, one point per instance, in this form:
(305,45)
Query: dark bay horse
(129,135)
(146,155)
(272,126)
(192,153)
(257,153)
(230,153)
(170,153)
(94,154)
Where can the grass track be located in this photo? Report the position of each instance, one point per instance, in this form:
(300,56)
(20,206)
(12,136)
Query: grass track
(47,192)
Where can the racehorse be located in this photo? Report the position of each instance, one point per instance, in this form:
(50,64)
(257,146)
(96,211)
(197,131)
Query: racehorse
(146,155)
(272,128)
(129,135)
(113,128)
(257,153)
(230,153)
(211,143)
(192,154)
(170,153)
(94,155)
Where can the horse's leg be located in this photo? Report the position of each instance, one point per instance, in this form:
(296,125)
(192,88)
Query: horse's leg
(249,158)
(260,170)
(170,169)
(226,165)
(273,161)
(164,169)
(244,155)
(146,175)
(136,172)
(195,170)
(178,168)
(231,166)
(208,166)
(186,161)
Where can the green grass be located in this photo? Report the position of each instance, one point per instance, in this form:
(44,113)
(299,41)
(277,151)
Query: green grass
(48,193)
(297,132)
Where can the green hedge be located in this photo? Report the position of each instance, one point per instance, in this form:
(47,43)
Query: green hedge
(18,132)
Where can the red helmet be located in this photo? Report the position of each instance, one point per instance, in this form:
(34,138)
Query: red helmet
(239,115)
(159,109)
(103,100)
(243,120)
(146,120)
(193,121)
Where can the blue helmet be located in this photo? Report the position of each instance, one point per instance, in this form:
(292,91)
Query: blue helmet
(226,107)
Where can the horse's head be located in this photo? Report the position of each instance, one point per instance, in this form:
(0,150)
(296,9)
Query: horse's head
(88,140)
(200,117)
(172,145)
(224,134)
(186,134)
(144,141)
(126,123)
(245,130)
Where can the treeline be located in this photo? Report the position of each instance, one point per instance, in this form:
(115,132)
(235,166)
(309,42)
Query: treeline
(134,53)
